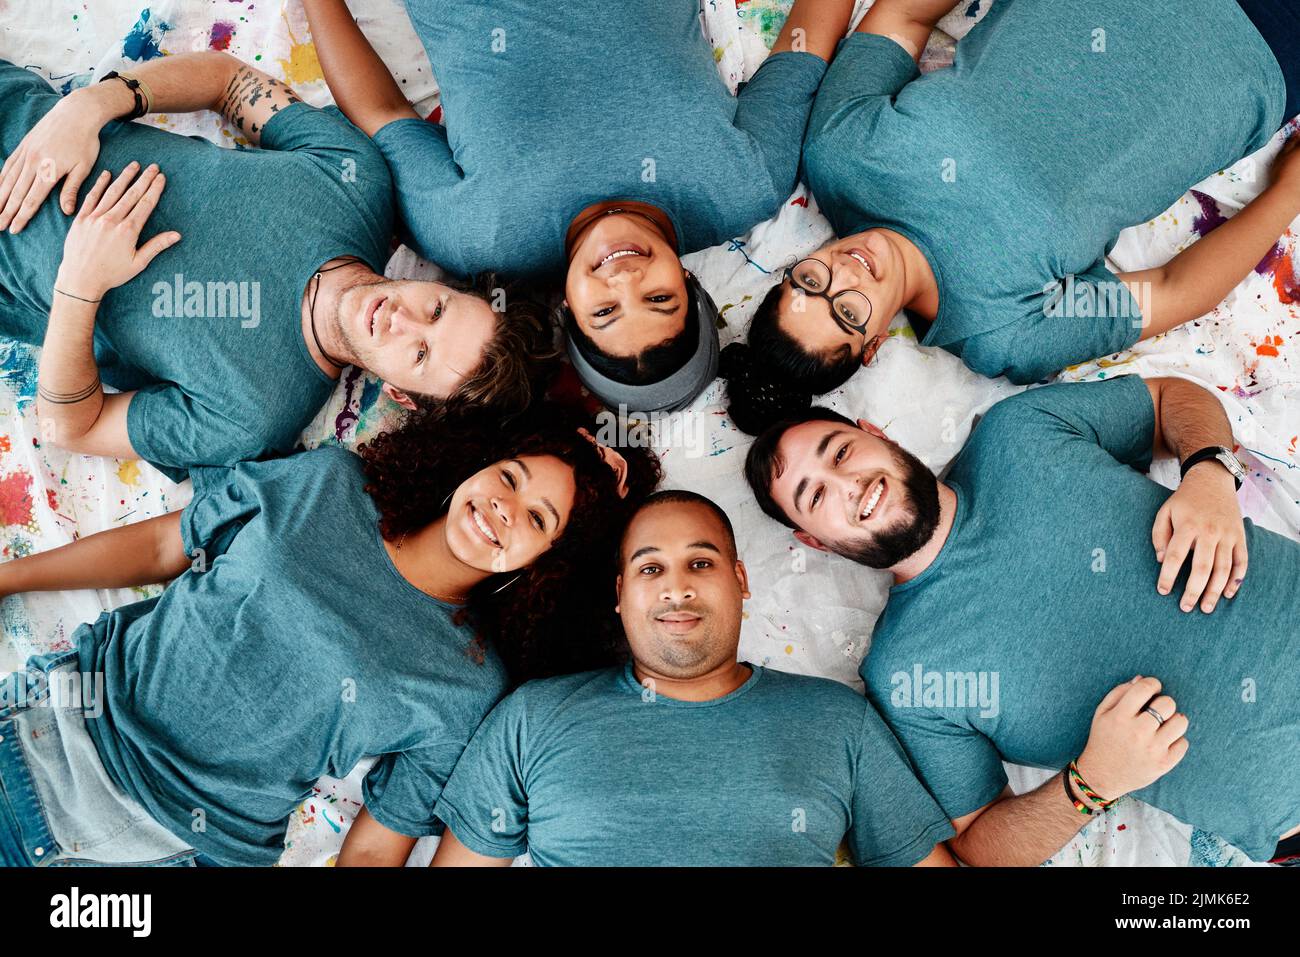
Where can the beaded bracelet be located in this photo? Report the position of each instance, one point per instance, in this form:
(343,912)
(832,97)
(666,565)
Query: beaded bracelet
(132,84)
(1086,791)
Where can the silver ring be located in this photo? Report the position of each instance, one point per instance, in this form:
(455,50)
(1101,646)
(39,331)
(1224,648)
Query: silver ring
(1155,714)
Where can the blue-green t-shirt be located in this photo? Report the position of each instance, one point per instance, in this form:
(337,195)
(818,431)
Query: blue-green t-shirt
(1014,171)
(596,770)
(300,650)
(550,108)
(1044,598)
(210,333)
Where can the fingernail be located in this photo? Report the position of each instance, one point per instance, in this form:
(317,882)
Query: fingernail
(1164,590)
(1160,555)
(1185,607)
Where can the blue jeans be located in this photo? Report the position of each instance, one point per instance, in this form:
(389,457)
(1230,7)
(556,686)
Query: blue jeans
(1278,22)
(58,806)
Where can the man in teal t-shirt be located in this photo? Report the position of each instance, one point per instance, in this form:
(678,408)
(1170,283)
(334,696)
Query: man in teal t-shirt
(1037,580)
(983,198)
(591,142)
(213,344)
(685,756)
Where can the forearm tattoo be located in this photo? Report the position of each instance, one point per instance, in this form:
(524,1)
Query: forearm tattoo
(252,98)
(68,398)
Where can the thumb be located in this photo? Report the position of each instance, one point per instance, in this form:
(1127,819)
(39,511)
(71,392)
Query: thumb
(146,253)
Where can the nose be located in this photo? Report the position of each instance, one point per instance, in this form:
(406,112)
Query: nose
(676,588)
(403,320)
(504,509)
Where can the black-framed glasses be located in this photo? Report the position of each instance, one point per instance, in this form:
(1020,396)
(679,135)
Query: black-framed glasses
(850,309)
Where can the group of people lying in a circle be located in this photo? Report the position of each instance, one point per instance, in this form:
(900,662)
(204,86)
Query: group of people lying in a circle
(539,648)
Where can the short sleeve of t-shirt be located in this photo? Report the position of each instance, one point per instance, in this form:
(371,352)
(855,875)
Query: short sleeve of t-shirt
(867,73)
(172,431)
(773,109)
(331,139)
(402,788)
(1083,317)
(896,822)
(485,804)
(1116,414)
(424,173)
(960,766)
(223,503)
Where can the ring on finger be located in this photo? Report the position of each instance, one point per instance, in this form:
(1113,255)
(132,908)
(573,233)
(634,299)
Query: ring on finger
(1160,719)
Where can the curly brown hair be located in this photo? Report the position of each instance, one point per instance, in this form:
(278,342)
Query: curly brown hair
(549,621)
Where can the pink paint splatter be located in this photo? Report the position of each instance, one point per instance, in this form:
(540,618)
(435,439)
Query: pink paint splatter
(222,31)
(16,499)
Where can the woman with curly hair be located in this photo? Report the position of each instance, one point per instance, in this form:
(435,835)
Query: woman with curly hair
(320,613)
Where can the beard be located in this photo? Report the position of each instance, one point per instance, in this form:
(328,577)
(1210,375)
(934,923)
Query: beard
(889,546)
(341,329)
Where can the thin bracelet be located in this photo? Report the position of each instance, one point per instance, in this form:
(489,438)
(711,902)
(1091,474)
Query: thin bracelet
(71,296)
(1087,791)
(68,398)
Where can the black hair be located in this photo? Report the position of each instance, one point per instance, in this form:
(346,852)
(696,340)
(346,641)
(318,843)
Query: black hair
(655,364)
(681,496)
(775,376)
(763,461)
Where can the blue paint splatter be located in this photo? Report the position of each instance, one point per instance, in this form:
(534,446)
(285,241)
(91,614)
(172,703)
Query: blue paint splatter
(142,42)
(19,364)
(974,9)
(1208,850)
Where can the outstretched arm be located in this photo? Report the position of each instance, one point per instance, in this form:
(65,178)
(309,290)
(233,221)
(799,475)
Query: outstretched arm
(362,86)
(1198,278)
(139,554)
(64,144)
(908,23)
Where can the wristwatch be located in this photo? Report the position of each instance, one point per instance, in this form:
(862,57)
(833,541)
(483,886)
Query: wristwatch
(1224,457)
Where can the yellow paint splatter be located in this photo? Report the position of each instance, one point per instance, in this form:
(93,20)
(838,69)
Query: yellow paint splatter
(303,66)
(789,649)
(128,473)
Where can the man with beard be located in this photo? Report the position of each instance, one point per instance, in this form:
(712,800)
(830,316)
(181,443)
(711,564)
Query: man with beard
(227,330)
(685,756)
(1040,567)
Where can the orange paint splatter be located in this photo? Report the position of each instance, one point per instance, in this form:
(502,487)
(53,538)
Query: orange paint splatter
(4,443)
(1269,346)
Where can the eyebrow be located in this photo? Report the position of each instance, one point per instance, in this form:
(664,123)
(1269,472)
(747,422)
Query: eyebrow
(821,450)
(647,549)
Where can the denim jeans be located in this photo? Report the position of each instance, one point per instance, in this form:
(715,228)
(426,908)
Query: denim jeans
(58,805)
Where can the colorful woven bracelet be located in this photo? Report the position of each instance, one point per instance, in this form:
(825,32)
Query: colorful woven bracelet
(1078,805)
(1088,792)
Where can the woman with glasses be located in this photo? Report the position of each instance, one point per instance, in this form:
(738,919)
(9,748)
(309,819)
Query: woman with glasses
(981,200)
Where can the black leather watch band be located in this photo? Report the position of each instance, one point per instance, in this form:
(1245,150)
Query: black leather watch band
(1206,454)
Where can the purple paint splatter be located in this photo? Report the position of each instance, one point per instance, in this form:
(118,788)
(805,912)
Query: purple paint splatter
(1211,217)
(219,38)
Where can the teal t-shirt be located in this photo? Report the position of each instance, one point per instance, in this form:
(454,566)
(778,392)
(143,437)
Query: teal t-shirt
(1044,598)
(596,770)
(550,108)
(300,650)
(210,333)
(1057,126)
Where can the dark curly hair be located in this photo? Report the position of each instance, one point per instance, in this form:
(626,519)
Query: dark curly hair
(550,621)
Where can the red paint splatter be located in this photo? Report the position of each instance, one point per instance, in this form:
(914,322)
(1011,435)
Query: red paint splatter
(800,201)
(436,115)
(50,497)
(16,499)
(1122,827)
(222,31)
(1282,266)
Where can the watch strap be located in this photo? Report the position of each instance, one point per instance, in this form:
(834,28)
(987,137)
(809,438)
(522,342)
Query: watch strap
(1206,454)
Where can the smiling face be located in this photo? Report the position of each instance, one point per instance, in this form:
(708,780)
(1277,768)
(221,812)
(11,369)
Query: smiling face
(854,492)
(421,338)
(502,518)
(680,590)
(625,286)
(869,263)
